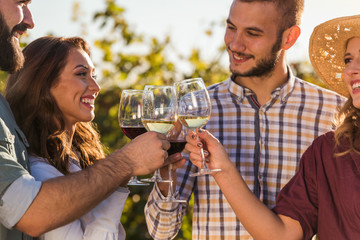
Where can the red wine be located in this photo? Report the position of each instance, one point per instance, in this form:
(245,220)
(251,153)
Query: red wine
(133,132)
(176,147)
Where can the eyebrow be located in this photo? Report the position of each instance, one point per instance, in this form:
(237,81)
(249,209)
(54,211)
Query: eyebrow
(82,66)
(248,28)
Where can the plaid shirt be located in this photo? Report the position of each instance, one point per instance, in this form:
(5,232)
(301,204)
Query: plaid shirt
(264,142)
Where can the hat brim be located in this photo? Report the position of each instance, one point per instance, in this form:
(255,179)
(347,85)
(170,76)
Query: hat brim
(327,48)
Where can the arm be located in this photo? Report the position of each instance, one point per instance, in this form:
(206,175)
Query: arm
(63,199)
(261,222)
(102,222)
(164,219)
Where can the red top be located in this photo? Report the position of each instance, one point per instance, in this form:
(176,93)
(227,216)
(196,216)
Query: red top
(324,195)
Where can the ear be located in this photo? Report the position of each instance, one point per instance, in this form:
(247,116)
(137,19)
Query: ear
(290,36)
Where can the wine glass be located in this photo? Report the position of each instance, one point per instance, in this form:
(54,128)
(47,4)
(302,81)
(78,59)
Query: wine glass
(177,138)
(158,114)
(194,110)
(129,117)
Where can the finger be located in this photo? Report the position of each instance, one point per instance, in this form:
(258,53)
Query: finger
(192,148)
(178,164)
(207,137)
(172,159)
(195,157)
(191,139)
(161,136)
(165,144)
(165,155)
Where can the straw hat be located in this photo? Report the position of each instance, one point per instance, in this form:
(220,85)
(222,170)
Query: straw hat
(327,48)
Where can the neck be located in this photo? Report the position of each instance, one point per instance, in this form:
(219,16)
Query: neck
(70,130)
(263,86)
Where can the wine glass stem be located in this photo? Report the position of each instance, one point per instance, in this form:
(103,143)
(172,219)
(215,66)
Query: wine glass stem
(171,190)
(157,174)
(203,160)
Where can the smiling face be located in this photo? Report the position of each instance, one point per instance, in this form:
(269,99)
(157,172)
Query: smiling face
(15,19)
(251,38)
(76,89)
(351,74)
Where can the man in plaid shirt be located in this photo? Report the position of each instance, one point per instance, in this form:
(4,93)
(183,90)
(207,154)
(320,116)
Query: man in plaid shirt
(263,115)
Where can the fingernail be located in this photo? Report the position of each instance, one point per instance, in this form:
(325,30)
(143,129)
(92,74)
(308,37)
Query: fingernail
(193,136)
(206,153)
(199,145)
(200,130)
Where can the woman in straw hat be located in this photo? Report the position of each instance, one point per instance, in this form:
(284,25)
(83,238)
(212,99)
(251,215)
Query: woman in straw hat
(324,196)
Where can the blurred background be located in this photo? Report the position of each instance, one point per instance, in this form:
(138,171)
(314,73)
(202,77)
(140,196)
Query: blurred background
(138,42)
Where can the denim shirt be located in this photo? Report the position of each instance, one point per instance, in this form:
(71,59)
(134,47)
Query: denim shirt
(17,188)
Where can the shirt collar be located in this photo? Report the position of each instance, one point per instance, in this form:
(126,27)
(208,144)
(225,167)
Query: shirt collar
(284,91)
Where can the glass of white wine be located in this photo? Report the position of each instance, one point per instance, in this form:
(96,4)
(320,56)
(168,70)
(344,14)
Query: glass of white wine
(194,110)
(158,115)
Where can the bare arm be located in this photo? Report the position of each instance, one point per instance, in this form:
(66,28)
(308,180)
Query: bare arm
(258,220)
(64,199)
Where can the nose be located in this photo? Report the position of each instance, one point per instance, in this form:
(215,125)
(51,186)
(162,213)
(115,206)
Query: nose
(28,18)
(94,86)
(235,42)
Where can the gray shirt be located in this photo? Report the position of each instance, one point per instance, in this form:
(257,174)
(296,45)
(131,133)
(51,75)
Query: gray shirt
(17,187)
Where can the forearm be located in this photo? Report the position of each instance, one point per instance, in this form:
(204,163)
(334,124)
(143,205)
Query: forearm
(163,218)
(258,220)
(64,199)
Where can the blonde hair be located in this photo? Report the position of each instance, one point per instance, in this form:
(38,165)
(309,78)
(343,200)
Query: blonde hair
(347,134)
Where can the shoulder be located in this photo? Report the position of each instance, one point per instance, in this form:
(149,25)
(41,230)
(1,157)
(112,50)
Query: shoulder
(311,88)
(219,86)
(322,147)
(41,170)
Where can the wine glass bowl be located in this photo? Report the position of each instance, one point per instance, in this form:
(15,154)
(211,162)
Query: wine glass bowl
(194,110)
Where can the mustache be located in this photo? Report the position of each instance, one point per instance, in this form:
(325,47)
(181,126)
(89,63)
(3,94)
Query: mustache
(20,27)
(240,53)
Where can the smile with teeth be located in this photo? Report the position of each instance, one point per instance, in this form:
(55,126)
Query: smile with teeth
(88,101)
(237,57)
(356,85)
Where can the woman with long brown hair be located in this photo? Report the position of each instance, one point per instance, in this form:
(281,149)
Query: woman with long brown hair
(52,98)
(323,197)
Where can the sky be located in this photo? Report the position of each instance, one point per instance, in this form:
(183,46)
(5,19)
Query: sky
(184,20)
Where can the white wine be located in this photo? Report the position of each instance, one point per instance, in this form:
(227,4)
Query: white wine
(160,126)
(193,122)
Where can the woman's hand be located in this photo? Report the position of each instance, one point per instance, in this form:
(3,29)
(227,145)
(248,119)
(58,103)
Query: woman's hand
(215,154)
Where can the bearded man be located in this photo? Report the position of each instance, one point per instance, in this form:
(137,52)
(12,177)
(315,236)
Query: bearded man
(263,115)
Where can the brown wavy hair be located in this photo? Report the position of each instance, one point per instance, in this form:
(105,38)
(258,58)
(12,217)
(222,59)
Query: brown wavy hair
(36,111)
(347,134)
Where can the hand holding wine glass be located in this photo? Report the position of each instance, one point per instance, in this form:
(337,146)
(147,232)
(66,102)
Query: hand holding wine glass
(158,114)
(194,110)
(130,119)
(177,138)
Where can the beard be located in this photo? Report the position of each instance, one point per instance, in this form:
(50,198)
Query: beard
(11,56)
(263,66)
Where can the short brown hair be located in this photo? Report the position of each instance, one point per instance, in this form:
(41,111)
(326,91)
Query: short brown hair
(290,11)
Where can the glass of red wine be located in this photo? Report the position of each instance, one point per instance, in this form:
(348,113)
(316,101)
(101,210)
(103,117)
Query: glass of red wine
(129,117)
(177,138)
